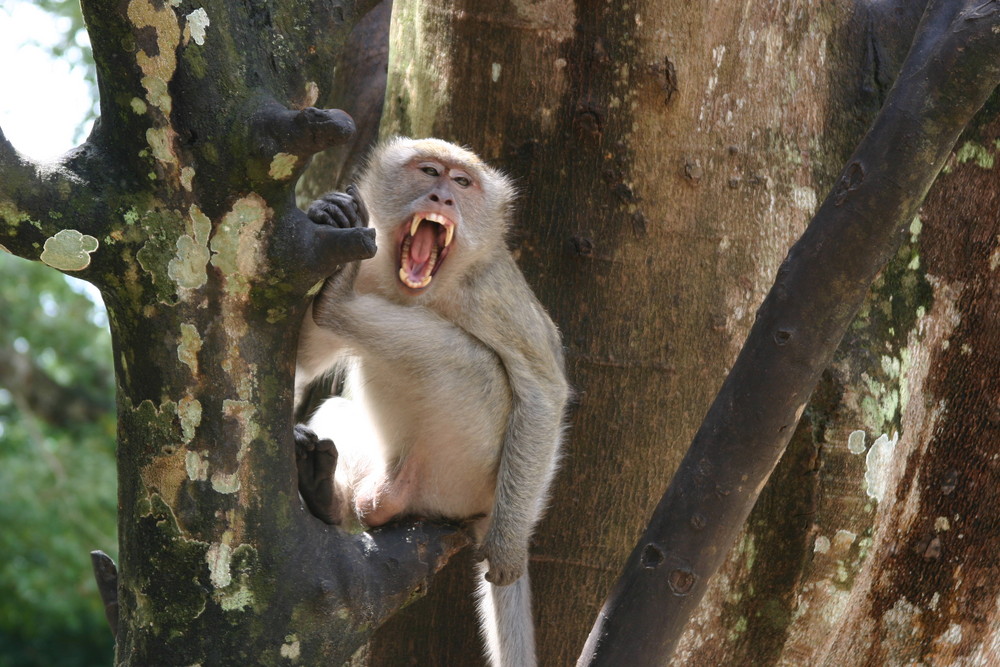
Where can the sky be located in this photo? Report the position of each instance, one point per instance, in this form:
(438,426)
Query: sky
(42,101)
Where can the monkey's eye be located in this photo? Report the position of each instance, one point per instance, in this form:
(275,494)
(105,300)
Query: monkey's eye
(463,181)
(430,171)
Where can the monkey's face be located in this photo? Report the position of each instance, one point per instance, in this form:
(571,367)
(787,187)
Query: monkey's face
(436,208)
(424,239)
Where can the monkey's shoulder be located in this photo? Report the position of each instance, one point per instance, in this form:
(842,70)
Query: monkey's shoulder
(500,308)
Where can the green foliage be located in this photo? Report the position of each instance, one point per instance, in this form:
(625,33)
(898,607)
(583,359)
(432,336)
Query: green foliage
(57,470)
(58,498)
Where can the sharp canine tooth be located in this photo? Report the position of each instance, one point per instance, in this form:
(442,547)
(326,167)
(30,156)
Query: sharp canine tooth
(449,232)
(415,224)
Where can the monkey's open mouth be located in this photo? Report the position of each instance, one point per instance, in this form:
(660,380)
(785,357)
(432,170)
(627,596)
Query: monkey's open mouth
(424,247)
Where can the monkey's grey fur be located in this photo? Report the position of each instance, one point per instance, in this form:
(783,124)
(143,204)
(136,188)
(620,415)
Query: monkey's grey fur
(454,402)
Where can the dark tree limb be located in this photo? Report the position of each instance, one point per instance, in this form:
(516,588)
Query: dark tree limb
(42,201)
(107,585)
(389,564)
(300,132)
(362,579)
(952,67)
(359,89)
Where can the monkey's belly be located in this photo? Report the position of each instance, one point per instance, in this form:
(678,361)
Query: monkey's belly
(448,480)
(450,474)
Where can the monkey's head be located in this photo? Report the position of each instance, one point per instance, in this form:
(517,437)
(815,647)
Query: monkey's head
(437,209)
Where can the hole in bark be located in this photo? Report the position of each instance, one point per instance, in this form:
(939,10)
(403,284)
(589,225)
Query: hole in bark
(583,246)
(652,556)
(681,581)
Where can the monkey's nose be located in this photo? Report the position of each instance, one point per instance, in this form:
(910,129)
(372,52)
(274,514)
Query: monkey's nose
(437,200)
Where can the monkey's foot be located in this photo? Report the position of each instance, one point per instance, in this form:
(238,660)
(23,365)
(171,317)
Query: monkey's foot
(506,562)
(378,501)
(316,461)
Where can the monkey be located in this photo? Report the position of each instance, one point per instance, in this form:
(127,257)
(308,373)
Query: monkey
(455,389)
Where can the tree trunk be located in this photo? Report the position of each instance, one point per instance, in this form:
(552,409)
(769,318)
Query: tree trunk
(927,591)
(669,154)
(179,207)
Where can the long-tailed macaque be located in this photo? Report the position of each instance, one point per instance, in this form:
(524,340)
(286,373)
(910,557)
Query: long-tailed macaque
(454,397)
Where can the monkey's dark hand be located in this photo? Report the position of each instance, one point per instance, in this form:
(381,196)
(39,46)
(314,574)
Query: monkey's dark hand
(316,461)
(507,561)
(343,210)
(339,209)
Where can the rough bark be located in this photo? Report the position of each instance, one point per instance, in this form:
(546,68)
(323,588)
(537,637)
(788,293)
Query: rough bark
(945,80)
(668,156)
(927,591)
(179,207)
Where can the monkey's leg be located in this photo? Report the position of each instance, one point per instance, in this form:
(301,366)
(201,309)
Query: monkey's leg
(316,461)
(380,499)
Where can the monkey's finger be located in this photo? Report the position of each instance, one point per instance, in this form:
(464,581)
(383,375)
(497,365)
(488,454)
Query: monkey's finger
(340,217)
(318,212)
(359,205)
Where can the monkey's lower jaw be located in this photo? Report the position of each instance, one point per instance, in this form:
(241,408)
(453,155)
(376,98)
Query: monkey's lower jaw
(426,242)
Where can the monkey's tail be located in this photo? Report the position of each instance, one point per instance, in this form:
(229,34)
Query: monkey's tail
(505,621)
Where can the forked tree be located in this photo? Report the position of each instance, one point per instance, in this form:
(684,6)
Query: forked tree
(181,208)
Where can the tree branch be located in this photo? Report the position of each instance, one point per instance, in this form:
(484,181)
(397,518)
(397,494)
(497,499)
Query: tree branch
(299,132)
(952,67)
(107,585)
(40,201)
(354,582)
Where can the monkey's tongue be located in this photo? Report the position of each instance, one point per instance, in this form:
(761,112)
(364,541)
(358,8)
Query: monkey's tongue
(420,253)
(423,242)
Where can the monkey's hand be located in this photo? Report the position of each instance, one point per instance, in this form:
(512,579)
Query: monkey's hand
(343,210)
(339,209)
(507,561)
(316,461)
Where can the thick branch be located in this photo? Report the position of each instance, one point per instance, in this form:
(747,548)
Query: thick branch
(359,89)
(300,132)
(39,201)
(356,582)
(106,574)
(953,66)
(388,565)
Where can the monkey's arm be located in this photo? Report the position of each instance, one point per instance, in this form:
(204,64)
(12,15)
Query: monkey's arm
(416,340)
(527,342)
(319,350)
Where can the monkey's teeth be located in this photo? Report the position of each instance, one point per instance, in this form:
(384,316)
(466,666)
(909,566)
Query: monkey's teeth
(449,226)
(409,282)
(406,268)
